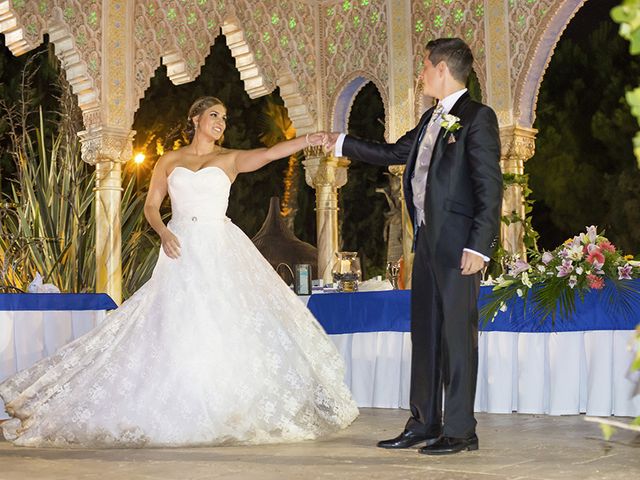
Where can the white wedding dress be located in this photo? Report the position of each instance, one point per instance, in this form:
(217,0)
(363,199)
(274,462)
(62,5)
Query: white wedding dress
(214,349)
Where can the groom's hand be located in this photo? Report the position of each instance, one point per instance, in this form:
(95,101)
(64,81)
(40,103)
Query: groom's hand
(471,263)
(330,140)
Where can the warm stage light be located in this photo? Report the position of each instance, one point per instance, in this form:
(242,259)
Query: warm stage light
(139,158)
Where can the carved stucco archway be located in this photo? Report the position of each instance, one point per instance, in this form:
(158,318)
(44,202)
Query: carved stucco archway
(347,91)
(310,49)
(528,82)
(182,34)
(76,39)
(534,31)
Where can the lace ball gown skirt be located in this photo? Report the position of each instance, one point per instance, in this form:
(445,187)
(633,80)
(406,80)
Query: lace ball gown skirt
(214,349)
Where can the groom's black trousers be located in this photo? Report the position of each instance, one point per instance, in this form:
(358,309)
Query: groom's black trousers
(444,336)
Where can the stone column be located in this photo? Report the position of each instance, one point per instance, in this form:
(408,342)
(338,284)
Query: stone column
(107,139)
(517,142)
(498,88)
(401,112)
(107,149)
(325,174)
(518,146)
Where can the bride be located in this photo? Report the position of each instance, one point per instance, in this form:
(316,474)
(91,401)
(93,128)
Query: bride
(214,349)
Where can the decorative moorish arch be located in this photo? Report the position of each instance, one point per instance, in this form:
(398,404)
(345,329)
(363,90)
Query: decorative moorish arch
(319,52)
(327,174)
(346,93)
(534,30)
(181,34)
(527,83)
(74,35)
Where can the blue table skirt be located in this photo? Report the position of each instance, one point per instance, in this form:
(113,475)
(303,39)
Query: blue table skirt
(389,311)
(56,301)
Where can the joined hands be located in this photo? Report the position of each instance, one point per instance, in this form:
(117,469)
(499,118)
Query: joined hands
(326,139)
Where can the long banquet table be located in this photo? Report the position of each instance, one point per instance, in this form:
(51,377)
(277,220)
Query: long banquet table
(35,325)
(580,365)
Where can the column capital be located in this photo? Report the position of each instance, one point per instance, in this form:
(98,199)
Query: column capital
(100,144)
(325,170)
(518,142)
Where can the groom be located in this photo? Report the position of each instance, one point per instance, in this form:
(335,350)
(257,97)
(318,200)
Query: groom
(453,191)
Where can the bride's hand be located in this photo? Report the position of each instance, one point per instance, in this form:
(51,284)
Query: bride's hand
(314,139)
(170,244)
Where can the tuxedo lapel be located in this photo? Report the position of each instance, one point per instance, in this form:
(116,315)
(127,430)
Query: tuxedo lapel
(443,134)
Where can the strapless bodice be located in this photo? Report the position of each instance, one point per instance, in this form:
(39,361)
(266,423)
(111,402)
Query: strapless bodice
(198,196)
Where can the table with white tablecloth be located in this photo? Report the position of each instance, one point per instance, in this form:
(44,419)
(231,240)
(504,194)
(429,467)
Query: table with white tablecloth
(573,366)
(577,365)
(35,325)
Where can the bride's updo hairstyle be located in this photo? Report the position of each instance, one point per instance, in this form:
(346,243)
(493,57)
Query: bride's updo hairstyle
(197,107)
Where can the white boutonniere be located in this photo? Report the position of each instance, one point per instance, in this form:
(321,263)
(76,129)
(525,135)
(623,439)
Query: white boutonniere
(450,123)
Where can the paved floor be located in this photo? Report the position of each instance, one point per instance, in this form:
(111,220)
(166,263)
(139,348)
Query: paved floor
(511,447)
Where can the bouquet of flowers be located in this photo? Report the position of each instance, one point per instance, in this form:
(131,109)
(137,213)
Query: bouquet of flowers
(553,280)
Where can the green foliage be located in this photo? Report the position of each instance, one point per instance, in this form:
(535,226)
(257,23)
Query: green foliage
(46,224)
(628,16)
(473,85)
(530,238)
(583,171)
(530,235)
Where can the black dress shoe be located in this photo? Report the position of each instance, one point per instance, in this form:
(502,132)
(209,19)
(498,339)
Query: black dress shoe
(408,439)
(448,445)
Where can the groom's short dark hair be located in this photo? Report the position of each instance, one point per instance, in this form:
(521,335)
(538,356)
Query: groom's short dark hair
(455,53)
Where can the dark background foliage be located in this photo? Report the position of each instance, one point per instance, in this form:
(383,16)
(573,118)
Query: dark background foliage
(44,93)
(584,171)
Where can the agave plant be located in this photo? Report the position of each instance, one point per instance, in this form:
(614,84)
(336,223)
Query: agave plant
(48,214)
(47,220)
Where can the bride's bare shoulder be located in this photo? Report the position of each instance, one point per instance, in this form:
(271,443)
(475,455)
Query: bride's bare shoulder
(173,155)
(170,159)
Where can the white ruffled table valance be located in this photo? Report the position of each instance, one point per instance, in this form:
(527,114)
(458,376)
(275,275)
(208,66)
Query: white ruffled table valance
(34,326)
(568,372)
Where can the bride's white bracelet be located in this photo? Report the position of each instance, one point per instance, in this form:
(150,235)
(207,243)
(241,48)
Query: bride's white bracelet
(307,139)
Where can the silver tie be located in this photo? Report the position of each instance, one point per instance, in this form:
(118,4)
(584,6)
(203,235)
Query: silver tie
(423,160)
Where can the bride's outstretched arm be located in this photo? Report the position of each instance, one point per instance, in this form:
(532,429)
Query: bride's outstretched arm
(155,196)
(251,160)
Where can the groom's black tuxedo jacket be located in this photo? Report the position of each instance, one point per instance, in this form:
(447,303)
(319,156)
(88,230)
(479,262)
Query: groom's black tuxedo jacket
(464,186)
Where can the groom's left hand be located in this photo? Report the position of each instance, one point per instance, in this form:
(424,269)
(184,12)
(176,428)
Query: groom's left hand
(471,263)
